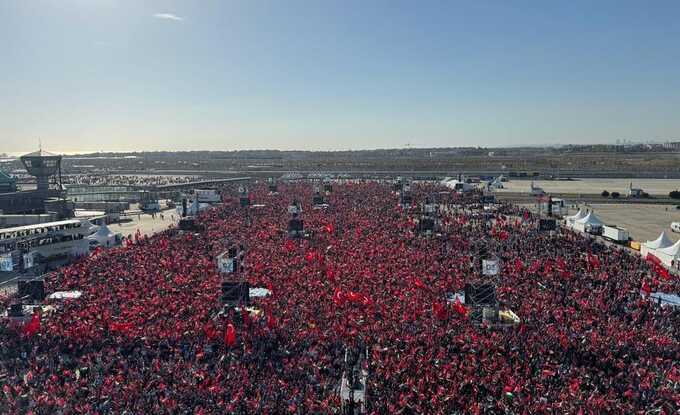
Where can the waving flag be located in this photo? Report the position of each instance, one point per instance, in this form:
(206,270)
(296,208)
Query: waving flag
(230,335)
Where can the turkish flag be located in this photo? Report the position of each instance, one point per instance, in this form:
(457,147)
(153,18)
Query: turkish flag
(33,326)
(230,335)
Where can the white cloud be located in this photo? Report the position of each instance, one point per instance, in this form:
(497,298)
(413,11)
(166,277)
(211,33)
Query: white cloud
(168,16)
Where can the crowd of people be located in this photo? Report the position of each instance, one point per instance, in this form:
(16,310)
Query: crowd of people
(147,335)
(132,180)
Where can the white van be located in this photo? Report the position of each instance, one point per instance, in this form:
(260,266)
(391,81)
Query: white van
(675,226)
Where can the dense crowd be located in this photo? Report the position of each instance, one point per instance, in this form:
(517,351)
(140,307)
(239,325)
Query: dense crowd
(125,179)
(144,337)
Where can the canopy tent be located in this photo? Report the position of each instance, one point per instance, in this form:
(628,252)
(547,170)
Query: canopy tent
(457,185)
(668,254)
(91,227)
(663,241)
(65,295)
(103,237)
(588,222)
(571,219)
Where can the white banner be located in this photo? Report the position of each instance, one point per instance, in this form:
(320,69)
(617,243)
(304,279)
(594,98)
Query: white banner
(490,267)
(28,261)
(225,265)
(6,263)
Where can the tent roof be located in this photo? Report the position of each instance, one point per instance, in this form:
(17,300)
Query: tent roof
(672,250)
(590,219)
(579,215)
(102,235)
(104,230)
(663,241)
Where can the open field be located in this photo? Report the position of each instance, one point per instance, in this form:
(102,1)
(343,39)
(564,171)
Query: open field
(655,187)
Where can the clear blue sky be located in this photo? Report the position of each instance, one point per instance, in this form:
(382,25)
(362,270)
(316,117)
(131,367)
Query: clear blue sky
(130,75)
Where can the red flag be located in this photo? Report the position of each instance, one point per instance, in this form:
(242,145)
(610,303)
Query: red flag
(594,261)
(230,335)
(329,228)
(338,298)
(310,255)
(645,288)
(663,272)
(418,283)
(33,326)
(365,300)
(459,308)
(439,311)
(354,297)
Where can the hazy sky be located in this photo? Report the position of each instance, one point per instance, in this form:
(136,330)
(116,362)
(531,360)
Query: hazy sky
(146,75)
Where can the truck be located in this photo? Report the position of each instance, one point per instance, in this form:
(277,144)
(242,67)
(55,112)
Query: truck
(615,234)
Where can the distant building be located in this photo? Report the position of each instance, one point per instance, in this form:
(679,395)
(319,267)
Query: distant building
(7,183)
(672,145)
(43,166)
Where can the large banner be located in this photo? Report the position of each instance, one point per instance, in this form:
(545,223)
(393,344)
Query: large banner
(6,263)
(225,265)
(28,261)
(490,267)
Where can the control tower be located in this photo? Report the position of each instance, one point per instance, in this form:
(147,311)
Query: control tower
(43,165)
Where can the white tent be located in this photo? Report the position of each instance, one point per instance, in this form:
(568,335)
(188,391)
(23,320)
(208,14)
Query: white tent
(458,185)
(663,241)
(91,227)
(579,215)
(104,237)
(588,222)
(669,254)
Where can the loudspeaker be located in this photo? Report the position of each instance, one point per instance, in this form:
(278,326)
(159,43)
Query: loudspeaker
(15,310)
(187,224)
(232,252)
(426,225)
(317,200)
(327,188)
(34,289)
(184,208)
(23,288)
(480,294)
(37,288)
(547,224)
(235,292)
(272,188)
(295,225)
(245,201)
(406,199)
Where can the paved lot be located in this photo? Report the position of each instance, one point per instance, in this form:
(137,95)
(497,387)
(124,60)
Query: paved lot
(655,187)
(644,222)
(146,223)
